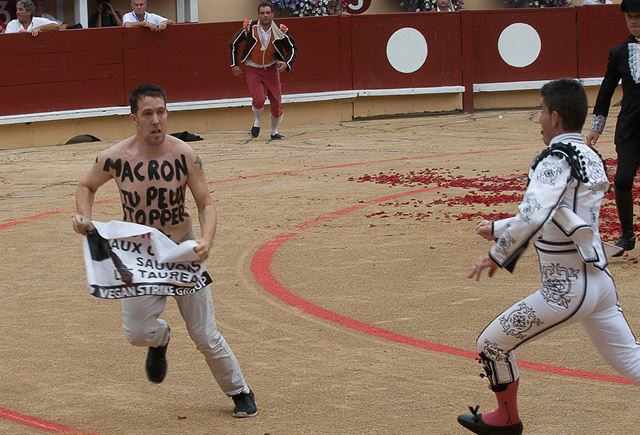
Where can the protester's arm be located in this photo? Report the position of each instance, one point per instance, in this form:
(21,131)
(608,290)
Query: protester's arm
(207,215)
(85,194)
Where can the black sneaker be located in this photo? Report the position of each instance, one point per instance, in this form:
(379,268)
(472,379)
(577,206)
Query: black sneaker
(255,131)
(245,405)
(277,136)
(627,243)
(156,364)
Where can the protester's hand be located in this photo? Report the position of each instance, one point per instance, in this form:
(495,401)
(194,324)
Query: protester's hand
(82,224)
(151,26)
(484,262)
(161,27)
(282,66)
(483,229)
(236,71)
(592,138)
(35,31)
(202,250)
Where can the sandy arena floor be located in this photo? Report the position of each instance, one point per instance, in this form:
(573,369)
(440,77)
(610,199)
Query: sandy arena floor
(339,280)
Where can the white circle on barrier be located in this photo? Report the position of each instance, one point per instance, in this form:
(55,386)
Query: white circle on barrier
(407,50)
(519,45)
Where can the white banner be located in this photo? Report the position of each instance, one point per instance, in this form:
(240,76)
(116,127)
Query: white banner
(125,260)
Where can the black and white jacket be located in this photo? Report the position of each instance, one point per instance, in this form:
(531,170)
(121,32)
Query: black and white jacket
(567,182)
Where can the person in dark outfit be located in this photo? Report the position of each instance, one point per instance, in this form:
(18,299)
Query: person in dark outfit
(106,15)
(624,64)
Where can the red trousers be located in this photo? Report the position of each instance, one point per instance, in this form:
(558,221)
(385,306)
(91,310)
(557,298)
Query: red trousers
(263,82)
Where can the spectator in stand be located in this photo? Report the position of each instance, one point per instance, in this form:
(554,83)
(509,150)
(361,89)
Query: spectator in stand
(28,22)
(596,2)
(444,6)
(106,16)
(40,12)
(139,17)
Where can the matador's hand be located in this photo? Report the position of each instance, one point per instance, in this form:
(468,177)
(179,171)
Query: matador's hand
(484,230)
(484,262)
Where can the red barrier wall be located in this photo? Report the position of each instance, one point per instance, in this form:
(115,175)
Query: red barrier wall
(75,69)
(557,31)
(599,28)
(89,68)
(372,70)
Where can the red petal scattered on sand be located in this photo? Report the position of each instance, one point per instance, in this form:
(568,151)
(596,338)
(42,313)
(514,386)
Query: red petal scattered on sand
(485,191)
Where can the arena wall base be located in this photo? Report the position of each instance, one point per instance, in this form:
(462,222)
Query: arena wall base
(206,121)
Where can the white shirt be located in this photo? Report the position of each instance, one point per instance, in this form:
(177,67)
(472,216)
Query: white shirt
(130,17)
(51,18)
(596,2)
(14,26)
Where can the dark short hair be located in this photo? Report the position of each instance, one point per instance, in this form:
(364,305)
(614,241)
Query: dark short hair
(569,99)
(145,90)
(265,5)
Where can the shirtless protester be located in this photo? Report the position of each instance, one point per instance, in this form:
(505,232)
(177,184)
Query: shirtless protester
(152,171)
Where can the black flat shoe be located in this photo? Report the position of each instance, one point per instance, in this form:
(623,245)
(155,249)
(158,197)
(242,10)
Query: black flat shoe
(626,243)
(156,363)
(255,131)
(277,136)
(474,423)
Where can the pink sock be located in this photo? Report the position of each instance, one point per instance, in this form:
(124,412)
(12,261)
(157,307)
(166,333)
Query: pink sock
(506,413)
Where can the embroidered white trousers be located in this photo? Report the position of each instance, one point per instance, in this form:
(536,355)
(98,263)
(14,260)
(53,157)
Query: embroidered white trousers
(571,291)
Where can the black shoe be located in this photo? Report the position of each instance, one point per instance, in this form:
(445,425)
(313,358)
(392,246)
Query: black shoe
(474,423)
(277,136)
(156,364)
(255,131)
(627,243)
(245,405)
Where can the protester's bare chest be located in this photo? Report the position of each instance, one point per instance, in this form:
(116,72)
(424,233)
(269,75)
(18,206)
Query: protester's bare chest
(152,190)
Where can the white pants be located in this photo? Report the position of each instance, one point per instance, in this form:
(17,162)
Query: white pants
(142,327)
(571,291)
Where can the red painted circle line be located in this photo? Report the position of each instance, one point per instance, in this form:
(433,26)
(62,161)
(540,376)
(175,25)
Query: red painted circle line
(261,270)
(27,420)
